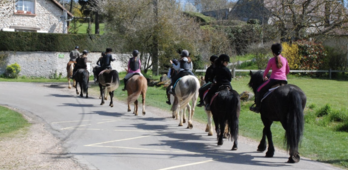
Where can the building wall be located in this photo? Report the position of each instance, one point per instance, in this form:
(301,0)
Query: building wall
(47,16)
(47,64)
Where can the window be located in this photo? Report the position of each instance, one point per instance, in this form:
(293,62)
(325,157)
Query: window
(25,6)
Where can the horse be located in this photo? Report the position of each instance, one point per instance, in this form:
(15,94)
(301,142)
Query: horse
(69,69)
(136,85)
(95,81)
(108,82)
(284,104)
(186,90)
(82,78)
(225,108)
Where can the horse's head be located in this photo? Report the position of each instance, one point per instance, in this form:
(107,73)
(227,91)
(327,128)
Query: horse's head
(256,79)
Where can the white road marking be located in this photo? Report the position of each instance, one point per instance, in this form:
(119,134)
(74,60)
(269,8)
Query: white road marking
(180,166)
(71,127)
(118,140)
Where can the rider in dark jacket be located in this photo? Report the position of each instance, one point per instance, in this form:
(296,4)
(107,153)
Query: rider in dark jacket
(105,62)
(222,76)
(209,76)
(81,62)
(184,67)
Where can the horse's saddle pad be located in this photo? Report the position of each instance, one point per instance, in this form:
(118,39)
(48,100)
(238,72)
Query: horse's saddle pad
(269,92)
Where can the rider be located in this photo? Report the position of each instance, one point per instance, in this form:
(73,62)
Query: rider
(81,62)
(208,79)
(97,67)
(74,54)
(280,68)
(171,73)
(134,65)
(184,66)
(105,62)
(222,76)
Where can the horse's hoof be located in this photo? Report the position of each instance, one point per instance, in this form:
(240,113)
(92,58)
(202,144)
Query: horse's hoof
(101,103)
(210,134)
(234,148)
(105,98)
(269,155)
(190,126)
(129,110)
(99,97)
(69,87)
(144,113)
(173,117)
(220,143)
(111,105)
(294,159)
(86,96)
(180,124)
(261,149)
(184,121)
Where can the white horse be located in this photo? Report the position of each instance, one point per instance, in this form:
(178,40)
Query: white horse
(186,90)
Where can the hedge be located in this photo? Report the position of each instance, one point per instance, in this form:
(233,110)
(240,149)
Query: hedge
(26,41)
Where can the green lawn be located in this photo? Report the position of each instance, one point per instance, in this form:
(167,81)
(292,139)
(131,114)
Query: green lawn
(10,121)
(84,26)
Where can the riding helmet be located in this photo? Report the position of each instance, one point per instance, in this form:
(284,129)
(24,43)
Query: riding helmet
(103,54)
(77,47)
(175,61)
(84,52)
(276,48)
(213,58)
(224,57)
(184,53)
(135,53)
(108,50)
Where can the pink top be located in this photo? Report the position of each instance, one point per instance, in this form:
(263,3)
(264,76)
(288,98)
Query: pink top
(277,73)
(136,71)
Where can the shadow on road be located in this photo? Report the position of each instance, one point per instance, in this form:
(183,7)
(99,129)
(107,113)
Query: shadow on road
(77,105)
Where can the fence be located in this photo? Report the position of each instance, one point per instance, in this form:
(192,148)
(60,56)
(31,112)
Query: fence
(291,71)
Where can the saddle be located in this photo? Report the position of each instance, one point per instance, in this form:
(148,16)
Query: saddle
(274,87)
(222,87)
(133,75)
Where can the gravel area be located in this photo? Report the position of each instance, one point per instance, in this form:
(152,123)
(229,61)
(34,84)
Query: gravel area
(34,148)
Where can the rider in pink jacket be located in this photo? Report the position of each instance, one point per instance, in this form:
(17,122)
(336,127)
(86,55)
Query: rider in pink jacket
(280,68)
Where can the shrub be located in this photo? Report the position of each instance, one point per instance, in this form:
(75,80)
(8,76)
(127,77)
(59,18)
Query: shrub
(291,53)
(325,110)
(312,106)
(339,115)
(312,55)
(13,70)
(343,127)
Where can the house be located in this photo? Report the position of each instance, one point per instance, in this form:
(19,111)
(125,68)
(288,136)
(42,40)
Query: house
(42,16)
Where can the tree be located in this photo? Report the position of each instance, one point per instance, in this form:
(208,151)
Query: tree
(92,6)
(154,27)
(297,19)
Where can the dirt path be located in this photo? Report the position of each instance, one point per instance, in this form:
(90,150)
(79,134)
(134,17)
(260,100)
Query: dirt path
(34,148)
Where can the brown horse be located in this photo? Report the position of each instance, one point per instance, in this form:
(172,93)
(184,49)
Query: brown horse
(69,69)
(136,85)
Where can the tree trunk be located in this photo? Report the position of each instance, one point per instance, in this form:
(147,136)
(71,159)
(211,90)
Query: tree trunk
(97,22)
(155,42)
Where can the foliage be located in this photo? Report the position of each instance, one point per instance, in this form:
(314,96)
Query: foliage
(291,53)
(13,70)
(336,59)
(199,17)
(312,55)
(325,110)
(26,41)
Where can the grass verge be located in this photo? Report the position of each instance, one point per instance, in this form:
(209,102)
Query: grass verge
(11,121)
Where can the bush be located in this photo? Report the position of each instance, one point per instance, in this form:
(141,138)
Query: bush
(325,110)
(291,53)
(25,41)
(336,59)
(339,115)
(343,127)
(13,70)
(312,106)
(312,55)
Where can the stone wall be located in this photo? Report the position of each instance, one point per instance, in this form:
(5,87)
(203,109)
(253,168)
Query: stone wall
(46,64)
(47,16)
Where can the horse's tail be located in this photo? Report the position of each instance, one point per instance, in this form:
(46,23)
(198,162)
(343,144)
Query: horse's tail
(140,84)
(115,79)
(229,106)
(69,69)
(187,88)
(85,80)
(295,122)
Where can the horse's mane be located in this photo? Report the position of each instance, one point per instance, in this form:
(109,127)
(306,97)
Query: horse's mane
(256,80)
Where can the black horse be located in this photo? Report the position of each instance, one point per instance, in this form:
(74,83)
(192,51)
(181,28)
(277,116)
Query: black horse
(285,104)
(108,82)
(225,109)
(82,78)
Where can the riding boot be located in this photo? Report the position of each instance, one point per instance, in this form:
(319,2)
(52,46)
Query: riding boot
(125,85)
(200,104)
(257,104)
(168,96)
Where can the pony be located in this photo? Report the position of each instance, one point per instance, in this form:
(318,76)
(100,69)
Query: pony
(82,78)
(95,81)
(69,70)
(108,82)
(186,90)
(284,104)
(136,85)
(225,108)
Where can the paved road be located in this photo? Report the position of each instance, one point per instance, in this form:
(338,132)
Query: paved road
(101,137)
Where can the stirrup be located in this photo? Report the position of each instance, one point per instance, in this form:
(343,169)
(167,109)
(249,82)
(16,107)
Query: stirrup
(200,104)
(168,102)
(124,89)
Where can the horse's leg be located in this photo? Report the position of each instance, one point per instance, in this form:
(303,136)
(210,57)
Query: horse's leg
(102,93)
(270,151)
(226,134)
(135,111)
(111,98)
(106,92)
(190,116)
(180,116)
(81,89)
(222,131)
(74,83)
(77,91)
(184,110)
(69,85)
(143,94)
(209,124)
(128,103)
